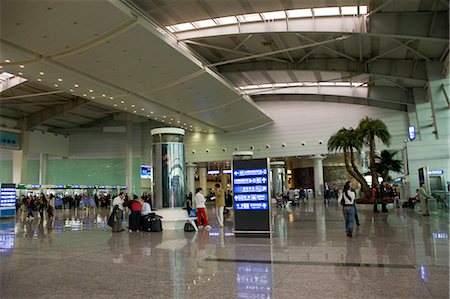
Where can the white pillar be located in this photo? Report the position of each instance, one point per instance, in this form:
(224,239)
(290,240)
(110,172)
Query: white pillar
(43,160)
(20,158)
(203,177)
(318,175)
(190,178)
(129,159)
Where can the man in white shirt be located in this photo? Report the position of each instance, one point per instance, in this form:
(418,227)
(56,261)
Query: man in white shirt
(118,200)
(146,209)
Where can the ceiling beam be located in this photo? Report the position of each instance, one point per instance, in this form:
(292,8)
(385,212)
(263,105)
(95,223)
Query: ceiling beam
(396,48)
(228,50)
(48,113)
(343,37)
(31,95)
(327,48)
(412,50)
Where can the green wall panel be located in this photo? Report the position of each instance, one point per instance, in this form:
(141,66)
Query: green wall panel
(6,171)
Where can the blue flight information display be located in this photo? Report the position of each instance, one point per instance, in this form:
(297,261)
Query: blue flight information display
(7,200)
(250,189)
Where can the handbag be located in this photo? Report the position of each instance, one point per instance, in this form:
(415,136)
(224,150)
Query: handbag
(188,227)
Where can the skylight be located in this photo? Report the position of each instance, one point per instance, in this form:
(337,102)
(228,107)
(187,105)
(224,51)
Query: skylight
(326,11)
(269,15)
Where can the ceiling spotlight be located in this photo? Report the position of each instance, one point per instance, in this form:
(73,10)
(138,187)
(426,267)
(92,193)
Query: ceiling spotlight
(111,98)
(122,102)
(71,90)
(84,94)
(90,90)
(39,79)
(134,111)
(21,66)
(132,105)
(142,109)
(7,60)
(151,112)
(93,98)
(76,85)
(60,79)
(20,73)
(56,85)
(41,73)
(103,95)
(125,108)
(115,105)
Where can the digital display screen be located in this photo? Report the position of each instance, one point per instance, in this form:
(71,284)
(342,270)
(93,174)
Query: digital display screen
(412,132)
(250,189)
(146,172)
(8,196)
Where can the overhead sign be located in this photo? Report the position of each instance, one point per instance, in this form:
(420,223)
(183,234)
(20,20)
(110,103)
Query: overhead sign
(412,132)
(213,171)
(435,172)
(10,140)
(251,196)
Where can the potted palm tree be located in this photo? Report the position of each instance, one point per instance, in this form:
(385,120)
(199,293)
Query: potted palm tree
(385,162)
(347,141)
(368,131)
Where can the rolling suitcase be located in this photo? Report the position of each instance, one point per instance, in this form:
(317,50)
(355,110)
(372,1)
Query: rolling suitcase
(155,225)
(146,224)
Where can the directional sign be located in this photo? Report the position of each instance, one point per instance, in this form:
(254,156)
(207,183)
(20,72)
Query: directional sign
(251,197)
(251,206)
(250,181)
(250,189)
(249,172)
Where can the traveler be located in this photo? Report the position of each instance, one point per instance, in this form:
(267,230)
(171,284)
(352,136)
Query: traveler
(30,206)
(200,200)
(220,203)
(347,198)
(146,208)
(424,196)
(135,215)
(51,206)
(42,205)
(118,201)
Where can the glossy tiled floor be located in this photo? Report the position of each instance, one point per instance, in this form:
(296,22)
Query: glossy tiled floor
(394,255)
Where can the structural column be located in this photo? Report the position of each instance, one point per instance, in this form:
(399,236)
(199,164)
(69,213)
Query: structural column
(203,178)
(43,160)
(20,157)
(190,178)
(278,174)
(129,158)
(318,175)
(169,168)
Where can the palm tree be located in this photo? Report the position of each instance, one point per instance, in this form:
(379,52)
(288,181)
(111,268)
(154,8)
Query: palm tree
(346,140)
(368,130)
(386,162)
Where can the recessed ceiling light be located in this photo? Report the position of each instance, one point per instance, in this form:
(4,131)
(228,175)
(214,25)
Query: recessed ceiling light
(134,111)
(171,119)
(90,90)
(151,112)
(20,73)
(184,123)
(21,66)
(71,90)
(125,108)
(7,60)
(76,85)
(132,105)
(111,98)
(170,123)
(142,109)
(148,115)
(156,118)
(39,79)
(84,94)
(103,95)
(60,79)
(56,85)
(190,126)
(115,105)
(164,116)
(122,102)
(178,121)
(41,73)
(93,98)
(163,120)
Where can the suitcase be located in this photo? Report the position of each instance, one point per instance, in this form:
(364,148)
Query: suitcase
(155,225)
(146,224)
(188,227)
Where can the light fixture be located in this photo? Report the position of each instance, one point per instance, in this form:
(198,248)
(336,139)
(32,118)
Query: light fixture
(71,90)
(103,95)
(7,60)
(90,90)
(125,108)
(39,79)
(142,109)
(115,105)
(93,98)
(60,79)
(41,73)
(21,66)
(84,94)
(151,112)
(56,85)
(122,102)
(76,85)
(135,111)
(20,73)
(132,105)
(178,121)
(164,116)
(111,98)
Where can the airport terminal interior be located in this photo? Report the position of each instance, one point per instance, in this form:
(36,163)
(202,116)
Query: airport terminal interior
(313,134)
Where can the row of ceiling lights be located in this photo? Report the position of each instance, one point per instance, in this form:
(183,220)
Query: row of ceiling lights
(267,146)
(88,94)
(269,16)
